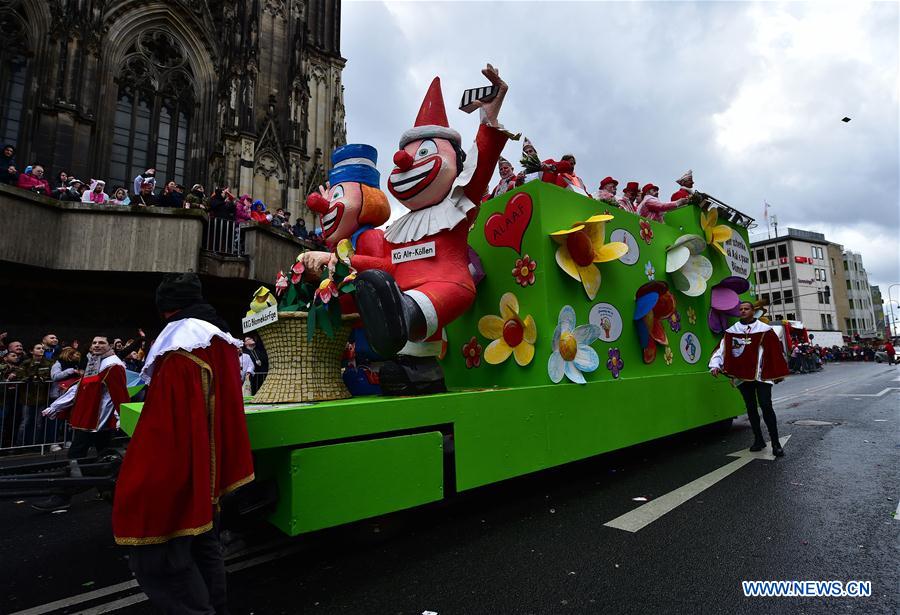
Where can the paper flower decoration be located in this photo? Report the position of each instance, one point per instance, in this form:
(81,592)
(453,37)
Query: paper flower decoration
(614,364)
(675,321)
(572,353)
(649,271)
(344,251)
(326,291)
(724,302)
(583,245)
(262,298)
(690,270)
(297,271)
(511,334)
(646,231)
(471,350)
(281,284)
(668,354)
(716,234)
(654,303)
(692,315)
(523,272)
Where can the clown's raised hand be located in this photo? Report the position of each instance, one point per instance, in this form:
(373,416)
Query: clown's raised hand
(491,109)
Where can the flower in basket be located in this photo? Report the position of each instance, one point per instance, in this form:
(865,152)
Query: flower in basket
(326,291)
(344,251)
(281,284)
(262,299)
(523,272)
(584,246)
(296,272)
(511,334)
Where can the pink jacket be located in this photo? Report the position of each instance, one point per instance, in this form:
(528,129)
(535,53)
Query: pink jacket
(241,211)
(32,183)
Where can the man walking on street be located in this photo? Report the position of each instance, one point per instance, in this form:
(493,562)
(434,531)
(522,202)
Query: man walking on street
(751,354)
(189,449)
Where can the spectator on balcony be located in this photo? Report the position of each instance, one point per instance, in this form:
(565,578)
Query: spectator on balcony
(61,186)
(34,181)
(196,199)
(258,211)
(242,209)
(300,229)
(170,196)
(96,194)
(73,193)
(221,204)
(8,173)
(147,176)
(120,196)
(146,198)
(35,373)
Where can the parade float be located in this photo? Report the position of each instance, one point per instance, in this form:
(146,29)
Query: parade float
(589,331)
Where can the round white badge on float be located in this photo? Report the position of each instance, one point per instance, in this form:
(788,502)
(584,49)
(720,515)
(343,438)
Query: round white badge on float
(690,348)
(634,252)
(607,317)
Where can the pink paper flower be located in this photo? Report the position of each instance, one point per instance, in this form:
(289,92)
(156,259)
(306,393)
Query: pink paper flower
(326,291)
(523,272)
(297,272)
(281,283)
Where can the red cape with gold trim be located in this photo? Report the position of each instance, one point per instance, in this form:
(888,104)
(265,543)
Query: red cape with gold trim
(190,447)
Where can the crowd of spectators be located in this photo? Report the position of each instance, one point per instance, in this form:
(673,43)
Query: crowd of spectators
(34,375)
(144,192)
(806,358)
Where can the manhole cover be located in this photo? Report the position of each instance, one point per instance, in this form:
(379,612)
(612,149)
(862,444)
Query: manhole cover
(814,423)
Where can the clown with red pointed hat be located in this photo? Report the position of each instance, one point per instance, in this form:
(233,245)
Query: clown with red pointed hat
(421,281)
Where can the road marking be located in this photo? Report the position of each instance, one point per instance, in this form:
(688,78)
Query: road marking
(644,515)
(897,514)
(135,598)
(858,395)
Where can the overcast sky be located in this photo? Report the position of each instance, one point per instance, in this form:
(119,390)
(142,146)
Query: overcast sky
(748,95)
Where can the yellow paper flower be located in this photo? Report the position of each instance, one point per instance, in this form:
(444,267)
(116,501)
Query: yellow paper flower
(511,334)
(715,233)
(344,251)
(583,245)
(262,298)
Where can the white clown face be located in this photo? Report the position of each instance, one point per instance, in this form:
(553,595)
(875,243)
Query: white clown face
(424,173)
(342,218)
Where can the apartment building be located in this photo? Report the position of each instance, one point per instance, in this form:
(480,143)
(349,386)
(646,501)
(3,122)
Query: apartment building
(793,273)
(861,318)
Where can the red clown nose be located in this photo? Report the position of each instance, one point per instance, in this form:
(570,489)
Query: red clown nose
(318,203)
(403,160)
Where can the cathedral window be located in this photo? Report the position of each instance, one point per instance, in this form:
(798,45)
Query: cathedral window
(154,108)
(13,69)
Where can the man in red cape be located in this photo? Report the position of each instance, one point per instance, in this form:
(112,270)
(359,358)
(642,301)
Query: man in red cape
(752,355)
(189,449)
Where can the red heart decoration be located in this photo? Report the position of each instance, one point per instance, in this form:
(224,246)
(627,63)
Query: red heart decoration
(507,229)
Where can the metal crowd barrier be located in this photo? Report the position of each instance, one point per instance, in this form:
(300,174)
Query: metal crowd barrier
(22,427)
(223,236)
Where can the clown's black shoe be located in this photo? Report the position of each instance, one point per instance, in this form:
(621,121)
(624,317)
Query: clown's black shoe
(391,318)
(409,375)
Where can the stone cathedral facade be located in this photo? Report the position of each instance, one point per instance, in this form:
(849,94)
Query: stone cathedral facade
(238,93)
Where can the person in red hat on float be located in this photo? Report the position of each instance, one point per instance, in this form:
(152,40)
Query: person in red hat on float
(654,209)
(507,178)
(608,188)
(422,281)
(562,173)
(629,199)
(686,182)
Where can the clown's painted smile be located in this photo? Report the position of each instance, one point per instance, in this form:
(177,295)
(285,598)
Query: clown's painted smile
(332,218)
(408,183)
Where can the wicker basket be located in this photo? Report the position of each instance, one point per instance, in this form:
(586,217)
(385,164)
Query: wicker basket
(301,370)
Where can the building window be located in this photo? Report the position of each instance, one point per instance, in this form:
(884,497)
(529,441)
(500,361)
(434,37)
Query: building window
(773,275)
(824,321)
(770,253)
(829,321)
(763,277)
(785,273)
(789,298)
(764,298)
(791,316)
(824,275)
(782,250)
(817,274)
(779,317)
(847,324)
(821,296)
(849,285)
(13,69)
(760,255)
(845,266)
(153,111)
(776,298)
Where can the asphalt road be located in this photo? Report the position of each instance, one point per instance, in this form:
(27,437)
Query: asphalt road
(826,511)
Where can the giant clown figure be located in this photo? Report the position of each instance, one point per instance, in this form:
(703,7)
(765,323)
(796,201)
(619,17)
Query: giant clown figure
(419,279)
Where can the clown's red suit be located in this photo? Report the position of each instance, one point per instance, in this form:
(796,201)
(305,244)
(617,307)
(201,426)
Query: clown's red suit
(426,251)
